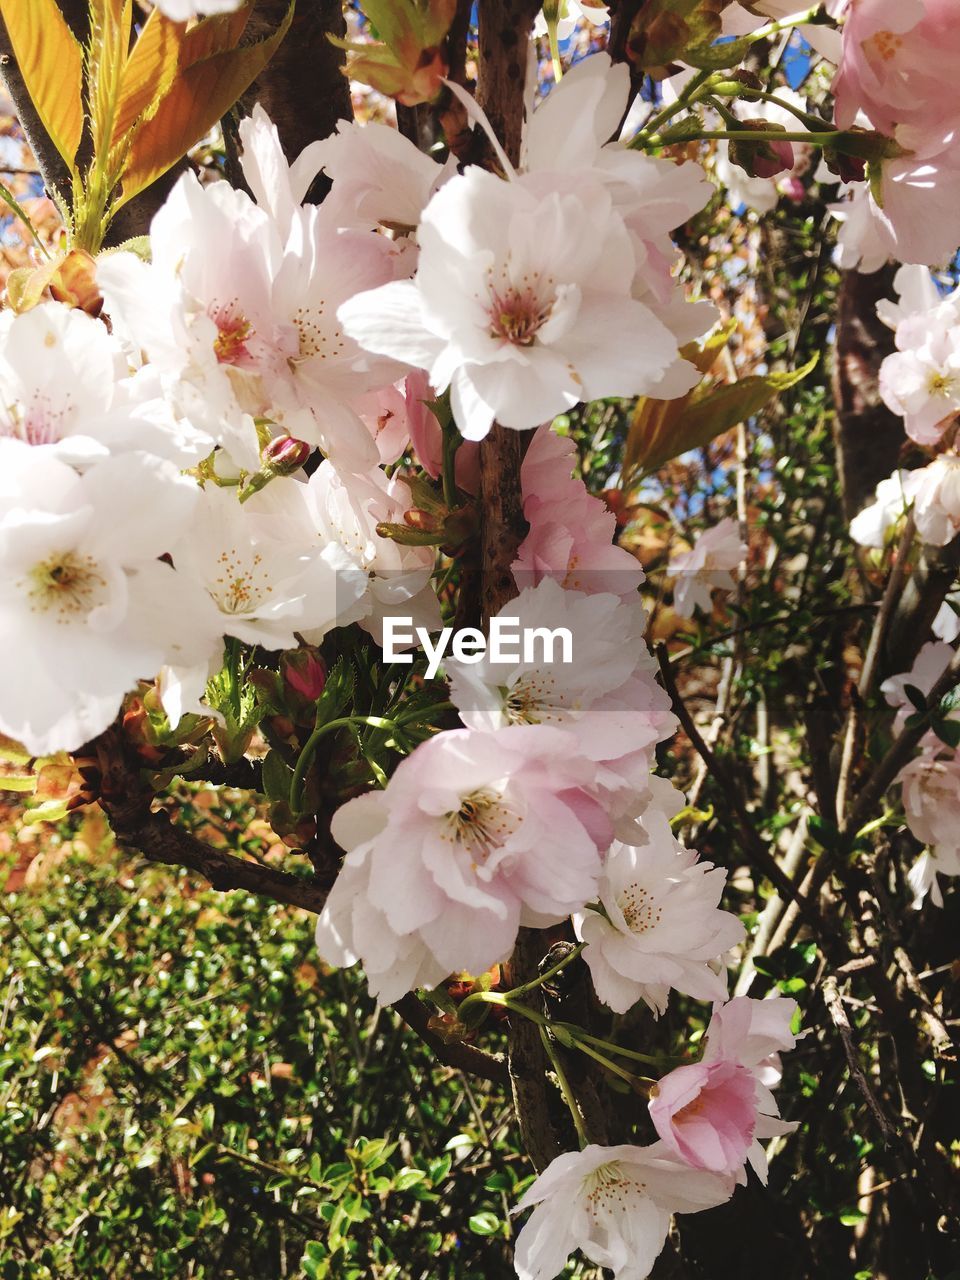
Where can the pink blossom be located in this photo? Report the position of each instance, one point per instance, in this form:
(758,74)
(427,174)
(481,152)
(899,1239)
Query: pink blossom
(571,533)
(751,1034)
(929,665)
(706,1114)
(475,835)
(910,211)
(900,64)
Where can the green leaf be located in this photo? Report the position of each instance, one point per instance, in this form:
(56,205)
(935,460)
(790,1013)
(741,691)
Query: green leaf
(13,782)
(408,1178)
(665,429)
(277,776)
(715,57)
(484,1224)
(947,731)
(917,697)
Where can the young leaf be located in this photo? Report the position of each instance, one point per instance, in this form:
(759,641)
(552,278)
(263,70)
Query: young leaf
(51,63)
(200,95)
(215,35)
(150,70)
(664,429)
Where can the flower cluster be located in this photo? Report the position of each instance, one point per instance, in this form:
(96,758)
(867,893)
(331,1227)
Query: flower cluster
(920,382)
(244,456)
(897,75)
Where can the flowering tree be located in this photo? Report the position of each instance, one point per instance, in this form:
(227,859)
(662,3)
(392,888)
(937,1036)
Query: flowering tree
(289,458)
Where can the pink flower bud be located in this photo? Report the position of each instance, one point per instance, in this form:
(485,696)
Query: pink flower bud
(284,455)
(304,673)
(762,159)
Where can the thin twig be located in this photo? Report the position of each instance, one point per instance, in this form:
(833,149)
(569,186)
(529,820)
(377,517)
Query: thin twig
(838,1015)
(874,648)
(755,843)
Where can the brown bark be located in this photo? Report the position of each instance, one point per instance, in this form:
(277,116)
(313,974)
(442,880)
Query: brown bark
(504,33)
(302,89)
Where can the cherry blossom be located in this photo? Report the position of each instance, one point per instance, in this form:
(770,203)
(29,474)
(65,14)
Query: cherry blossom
(928,666)
(612,1203)
(877,523)
(931,800)
(480,833)
(87,609)
(658,925)
(345,509)
(265,585)
(92,407)
(706,1114)
(936,490)
(909,211)
(350,927)
(237,309)
(607,696)
(921,381)
(571,532)
(379,177)
(554,270)
(707,567)
(521,298)
(752,1033)
(900,63)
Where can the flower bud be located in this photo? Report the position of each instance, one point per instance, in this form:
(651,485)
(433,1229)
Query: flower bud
(762,159)
(304,673)
(284,455)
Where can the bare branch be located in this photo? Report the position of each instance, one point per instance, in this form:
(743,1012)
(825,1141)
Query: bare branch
(838,1015)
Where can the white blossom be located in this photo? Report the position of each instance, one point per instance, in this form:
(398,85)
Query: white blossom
(707,567)
(86,607)
(612,1203)
(659,924)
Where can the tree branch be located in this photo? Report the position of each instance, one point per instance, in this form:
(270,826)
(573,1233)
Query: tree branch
(504,33)
(838,1016)
(755,843)
(158,839)
(465,1057)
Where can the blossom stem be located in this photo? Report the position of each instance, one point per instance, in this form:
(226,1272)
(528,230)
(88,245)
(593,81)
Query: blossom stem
(522,990)
(754,135)
(568,1094)
(452,440)
(649,1060)
(633,1081)
(310,746)
(783,24)
(815,123)
(685,98)
(422,714)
